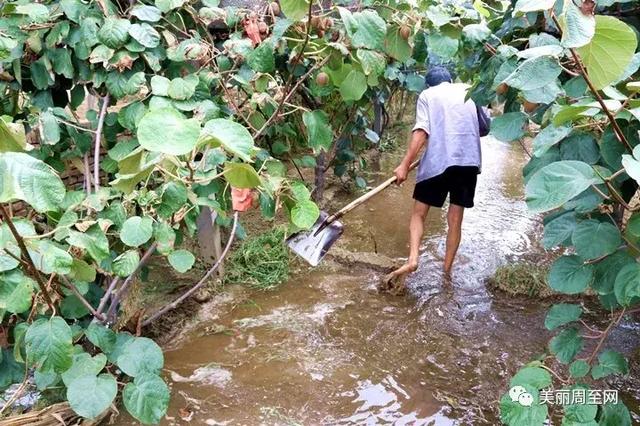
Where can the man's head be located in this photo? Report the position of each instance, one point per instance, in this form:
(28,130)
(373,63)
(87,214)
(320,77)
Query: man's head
(437,75)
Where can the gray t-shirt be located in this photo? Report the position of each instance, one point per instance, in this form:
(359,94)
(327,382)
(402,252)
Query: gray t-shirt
(453,129)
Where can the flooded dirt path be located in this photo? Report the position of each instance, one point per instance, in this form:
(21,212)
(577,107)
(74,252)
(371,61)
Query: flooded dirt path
(325,348)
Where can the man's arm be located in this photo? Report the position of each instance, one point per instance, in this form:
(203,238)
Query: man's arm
(418,140)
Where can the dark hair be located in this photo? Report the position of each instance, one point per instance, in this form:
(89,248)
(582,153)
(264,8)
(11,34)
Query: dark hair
(437,75)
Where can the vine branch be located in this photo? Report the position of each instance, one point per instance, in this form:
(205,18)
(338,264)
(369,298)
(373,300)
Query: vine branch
(27,258)
(202,281)
(97,145)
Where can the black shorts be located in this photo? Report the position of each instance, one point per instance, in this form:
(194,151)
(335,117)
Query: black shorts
(458,181)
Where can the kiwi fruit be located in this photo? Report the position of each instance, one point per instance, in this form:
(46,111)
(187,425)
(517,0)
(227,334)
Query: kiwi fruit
(322,79)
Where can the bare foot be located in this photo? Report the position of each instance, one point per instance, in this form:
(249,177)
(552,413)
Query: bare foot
(394,283)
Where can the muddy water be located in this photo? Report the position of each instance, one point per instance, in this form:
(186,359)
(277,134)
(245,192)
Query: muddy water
(325,348)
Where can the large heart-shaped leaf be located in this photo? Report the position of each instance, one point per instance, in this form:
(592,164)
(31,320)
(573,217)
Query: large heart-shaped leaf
(140,355)
(25,178)
(570,275)
(566,345)
(114,32)
(534,73)
(555,184)
(49,344)
(609,52)
(241,175)
(232,136)
(136,231)
(90,396)
(146,398)
(561,314)
(627,284)
(181,260)
(509,127)
(84,365)
(168,131)
(593,239)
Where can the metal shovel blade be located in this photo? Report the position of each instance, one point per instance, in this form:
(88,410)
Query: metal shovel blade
(312,247)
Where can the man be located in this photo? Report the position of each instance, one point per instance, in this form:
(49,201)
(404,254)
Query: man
(449,127)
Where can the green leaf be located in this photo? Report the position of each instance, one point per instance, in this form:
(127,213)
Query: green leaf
(438,15)
(90,396)
(136,231)
(570,275)
(147,13)
(513,413)
(50,128)
(262,59)
(580,146)
(627,284)
(534,73)
(232,136)
(165,237)
(126,263)
(594,239)
(49,345)
(294,9)
(561,314)
(16,292)
(607,271)
(365,29)
(353,86)
(373,63)
(145,34)
(168,5)
(548,137)
(631,164)
(578,368)
(536,377)
(609,362)
(566,345)
(160,85)
(84,365)
(179,135)
(442,47)
(610,51)
(615,415)
(94,241)
(100,336)
(526,6)
(49,258)
(559,230)
(555,184)
(11,371)
(146,398)
(129,117)
(114,32)
(101,54)
(181,260)
(396,46)
(40,75)
(62,64)
(319,133)
(476,32)
(577,28)
(140,355)
(182,89)
(241,175)
(304,214)
(12,137)
(509,127)
(25,178)
(579,414)
(37,13)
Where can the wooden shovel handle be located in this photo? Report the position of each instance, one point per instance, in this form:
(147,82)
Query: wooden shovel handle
(355,203)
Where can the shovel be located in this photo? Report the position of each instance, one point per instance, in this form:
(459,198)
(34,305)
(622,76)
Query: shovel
(312,245)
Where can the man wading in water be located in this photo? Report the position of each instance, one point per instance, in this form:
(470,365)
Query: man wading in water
(450,128)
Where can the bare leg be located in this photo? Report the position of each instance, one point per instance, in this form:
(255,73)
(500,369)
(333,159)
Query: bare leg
(416,229)
(454,234)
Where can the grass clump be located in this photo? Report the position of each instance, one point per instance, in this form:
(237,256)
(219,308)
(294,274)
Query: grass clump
(261,262)
(522,279)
